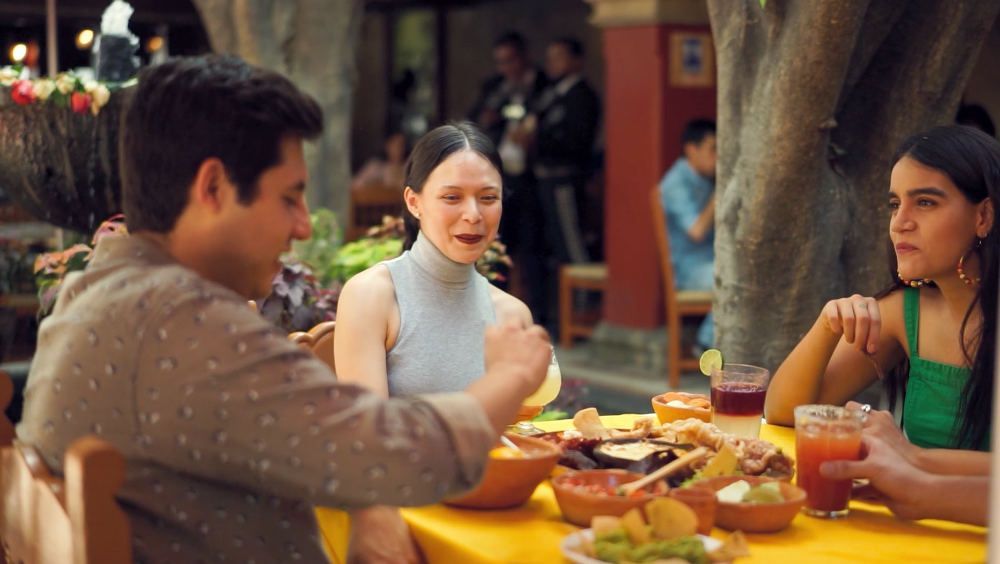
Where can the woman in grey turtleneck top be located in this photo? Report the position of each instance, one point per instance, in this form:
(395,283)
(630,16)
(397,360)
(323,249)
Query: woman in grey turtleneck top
(415,324)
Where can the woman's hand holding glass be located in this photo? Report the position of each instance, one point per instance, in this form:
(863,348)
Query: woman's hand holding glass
(534,403)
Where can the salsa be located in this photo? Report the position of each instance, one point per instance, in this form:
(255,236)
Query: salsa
(581,486)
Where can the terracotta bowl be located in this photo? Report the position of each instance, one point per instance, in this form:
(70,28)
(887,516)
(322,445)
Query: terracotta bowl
(509,482)
(667,413)
(579,507)
(756,517)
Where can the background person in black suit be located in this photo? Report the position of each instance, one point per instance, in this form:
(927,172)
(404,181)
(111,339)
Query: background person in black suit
(565,122)
(504,102)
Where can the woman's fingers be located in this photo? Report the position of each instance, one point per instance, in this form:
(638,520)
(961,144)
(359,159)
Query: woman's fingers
(847,315)
(862,321)
(858,319)
(832,314)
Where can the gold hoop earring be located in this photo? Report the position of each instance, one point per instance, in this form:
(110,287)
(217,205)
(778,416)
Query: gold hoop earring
(969,280)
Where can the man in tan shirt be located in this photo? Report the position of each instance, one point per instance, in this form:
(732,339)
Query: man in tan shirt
(230,432)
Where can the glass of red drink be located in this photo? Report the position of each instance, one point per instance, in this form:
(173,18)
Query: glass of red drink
(738,392)
(822,433)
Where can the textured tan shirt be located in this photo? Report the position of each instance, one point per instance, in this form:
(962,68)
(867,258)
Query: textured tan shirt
(230,432)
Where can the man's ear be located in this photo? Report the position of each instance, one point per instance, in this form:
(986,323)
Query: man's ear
(687,149)
(211,187)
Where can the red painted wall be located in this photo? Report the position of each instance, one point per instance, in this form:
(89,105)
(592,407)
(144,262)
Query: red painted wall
(644,117)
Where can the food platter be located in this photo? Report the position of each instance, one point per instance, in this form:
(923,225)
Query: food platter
(649,446)
(573,546)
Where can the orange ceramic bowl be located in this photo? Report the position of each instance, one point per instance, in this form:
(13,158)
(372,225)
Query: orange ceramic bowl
(579,504)
(756,517)
(667,413)
(509,482)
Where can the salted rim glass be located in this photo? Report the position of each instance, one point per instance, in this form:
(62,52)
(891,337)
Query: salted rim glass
(741,373)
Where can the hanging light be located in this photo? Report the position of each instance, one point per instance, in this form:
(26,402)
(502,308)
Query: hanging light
(154,44)
(85,39)
(18,52)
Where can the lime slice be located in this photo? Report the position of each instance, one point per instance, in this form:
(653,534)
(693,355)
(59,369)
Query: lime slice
(710,360)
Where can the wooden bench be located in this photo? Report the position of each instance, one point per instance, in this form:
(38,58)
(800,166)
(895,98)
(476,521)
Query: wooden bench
(46,519)
(573,277)
(679,304)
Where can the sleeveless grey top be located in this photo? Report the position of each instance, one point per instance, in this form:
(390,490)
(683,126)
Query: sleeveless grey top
(444,308)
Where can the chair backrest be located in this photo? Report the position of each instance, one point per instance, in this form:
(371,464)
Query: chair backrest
(6,394)
(45,519)
(49,520)
(302,339)
(369,206)
(662,237)
(322,342)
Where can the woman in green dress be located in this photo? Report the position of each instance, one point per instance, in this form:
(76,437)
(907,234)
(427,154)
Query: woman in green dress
(933,331)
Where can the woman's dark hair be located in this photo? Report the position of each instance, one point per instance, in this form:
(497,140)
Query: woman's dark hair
(189,109)
(971,159)
(431,150)
(976,116)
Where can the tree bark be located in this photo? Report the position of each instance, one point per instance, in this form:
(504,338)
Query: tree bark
(813,99)
(312,42)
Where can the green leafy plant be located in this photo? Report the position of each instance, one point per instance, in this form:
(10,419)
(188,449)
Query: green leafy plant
(298,300)
(15,267)
(320,251)
(51,268)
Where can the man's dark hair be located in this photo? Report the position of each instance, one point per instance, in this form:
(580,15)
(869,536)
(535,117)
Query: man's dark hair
(512,39)
(187,110)
(696,130)
(572,45)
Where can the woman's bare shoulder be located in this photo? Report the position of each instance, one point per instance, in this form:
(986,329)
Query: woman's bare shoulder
(371,285)
(508,307)
(891,308)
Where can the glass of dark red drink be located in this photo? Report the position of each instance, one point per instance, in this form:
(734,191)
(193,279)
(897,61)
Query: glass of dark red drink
(738,392)
(822,433)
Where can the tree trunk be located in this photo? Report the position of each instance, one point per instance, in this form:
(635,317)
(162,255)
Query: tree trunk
(312,42)
(813,99)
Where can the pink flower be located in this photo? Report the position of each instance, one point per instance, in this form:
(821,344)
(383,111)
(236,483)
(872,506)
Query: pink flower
(80,102)
(113,226)
(23,92)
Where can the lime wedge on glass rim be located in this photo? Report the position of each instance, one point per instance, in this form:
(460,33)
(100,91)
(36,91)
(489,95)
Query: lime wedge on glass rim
(710,360)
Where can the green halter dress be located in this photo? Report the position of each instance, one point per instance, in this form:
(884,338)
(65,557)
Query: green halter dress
(933,391)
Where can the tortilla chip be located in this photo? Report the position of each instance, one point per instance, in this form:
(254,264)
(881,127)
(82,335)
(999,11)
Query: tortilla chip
(724,463)
(588,422)
(671,518)
(603,524)
(635,527)
(735,546)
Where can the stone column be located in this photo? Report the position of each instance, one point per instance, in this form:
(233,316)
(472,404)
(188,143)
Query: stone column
(659,74)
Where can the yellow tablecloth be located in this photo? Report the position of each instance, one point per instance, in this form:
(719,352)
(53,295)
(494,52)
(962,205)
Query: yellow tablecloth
(532,533)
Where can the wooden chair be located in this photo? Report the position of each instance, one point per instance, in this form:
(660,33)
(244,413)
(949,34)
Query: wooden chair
(302,339)
(678,304)
(369,206)
(45,519)
(573,277)
(322,342)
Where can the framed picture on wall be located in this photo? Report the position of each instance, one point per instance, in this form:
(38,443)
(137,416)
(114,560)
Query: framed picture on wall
(692,60)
